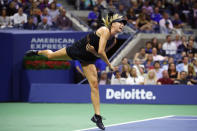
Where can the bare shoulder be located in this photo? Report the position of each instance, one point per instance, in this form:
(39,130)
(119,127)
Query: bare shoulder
(103,31)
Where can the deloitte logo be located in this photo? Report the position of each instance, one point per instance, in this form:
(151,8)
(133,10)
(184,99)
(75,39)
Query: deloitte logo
(138,94)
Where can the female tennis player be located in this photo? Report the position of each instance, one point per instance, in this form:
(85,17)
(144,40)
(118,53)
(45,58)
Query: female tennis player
(87,50)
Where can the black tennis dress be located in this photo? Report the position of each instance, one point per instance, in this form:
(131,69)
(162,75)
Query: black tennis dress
(77,51)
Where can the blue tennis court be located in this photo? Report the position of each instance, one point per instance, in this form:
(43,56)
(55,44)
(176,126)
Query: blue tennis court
(166,123)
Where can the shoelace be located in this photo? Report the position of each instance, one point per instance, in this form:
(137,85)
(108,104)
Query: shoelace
(101,118)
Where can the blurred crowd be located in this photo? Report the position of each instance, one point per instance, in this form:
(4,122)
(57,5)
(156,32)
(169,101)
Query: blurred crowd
(173,61)
(165,16)
(33,14)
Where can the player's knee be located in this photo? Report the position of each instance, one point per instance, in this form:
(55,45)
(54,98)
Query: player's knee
(94,84)
(50,54)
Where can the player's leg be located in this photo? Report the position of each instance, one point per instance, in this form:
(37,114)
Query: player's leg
(91,74)
(59,54)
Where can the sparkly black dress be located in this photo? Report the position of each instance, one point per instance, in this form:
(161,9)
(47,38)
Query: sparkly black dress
(77,51)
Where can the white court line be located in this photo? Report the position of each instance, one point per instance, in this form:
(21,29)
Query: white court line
(177,119)
(129,122)
(187,116)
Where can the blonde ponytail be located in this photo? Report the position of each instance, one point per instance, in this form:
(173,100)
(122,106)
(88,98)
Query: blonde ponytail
(108,21)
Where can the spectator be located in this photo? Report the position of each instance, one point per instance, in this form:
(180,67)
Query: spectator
(20,18)
(5,20)
(148,48)
(79,75)
(160,5)
(116,68)
(179,57)
(45,14)
(195,43)
(136,6)
(157,57)
(12,9)
(182,47)
(191,74)
(126,3)
(160,50)
(143,24)
(165,80)
(190,47)
(44,24)
(30,25)
(183,79)
(193,16)
(125,71)
(177,23)
(139,67)
(173,74)
(165,24)
(148,64)
(157,69)
(93,17)
(177,40)
(156,16)
(169,61)
(121,10)
(148,8)
(183,9)
(194,62)
(141,55)
(53,12)
(150,79)
(184,65)
(154,42)
(169,47)
(63,22)
(134,79)
(44,4)
(33,5)
(144,11)
(27,6)
(17,3)
(190,55)
(36,14)
(111,7)
(103,80)
(124,62)
(131,18)
(117,80)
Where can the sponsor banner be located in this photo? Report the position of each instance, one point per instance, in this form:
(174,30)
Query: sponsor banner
(70,93)
(14,45)
(133,94)
(40,43)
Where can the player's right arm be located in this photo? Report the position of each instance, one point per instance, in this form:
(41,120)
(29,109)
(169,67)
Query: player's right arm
(104,36)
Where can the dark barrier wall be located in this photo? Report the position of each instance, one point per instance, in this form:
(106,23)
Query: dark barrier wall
(13,46)
(6,59)
(69,93)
